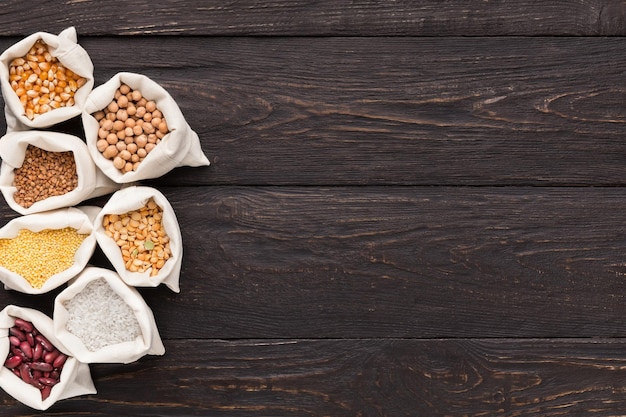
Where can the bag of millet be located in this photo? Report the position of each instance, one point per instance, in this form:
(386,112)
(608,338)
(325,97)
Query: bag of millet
(102,319)
(45,80)
(43,251)
(138,231)
(135,130)
(52,373)
(44,170)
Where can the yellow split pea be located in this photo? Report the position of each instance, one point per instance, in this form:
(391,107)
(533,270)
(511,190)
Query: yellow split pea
(37,256)
(141,237)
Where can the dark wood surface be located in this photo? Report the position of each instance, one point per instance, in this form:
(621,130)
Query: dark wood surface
(412,208)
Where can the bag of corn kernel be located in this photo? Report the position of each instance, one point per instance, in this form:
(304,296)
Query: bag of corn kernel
(102,319)
(44,170)
(68,377)
(138,231)
(45,80)
(135,130)
(43,251)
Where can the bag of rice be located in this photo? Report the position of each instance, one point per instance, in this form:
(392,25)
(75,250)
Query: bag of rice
(43,251)
(45,80)
(138,231)
(44,170)
(135,130)
(38,368)
(101,319)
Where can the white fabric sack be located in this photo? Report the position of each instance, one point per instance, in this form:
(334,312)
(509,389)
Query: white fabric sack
(66,49)
(75,376)
(130,199)
(180,147)
(148,343)
(80,218)
(91,181)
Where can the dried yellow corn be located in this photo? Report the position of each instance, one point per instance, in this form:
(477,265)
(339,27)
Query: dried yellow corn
(37,256)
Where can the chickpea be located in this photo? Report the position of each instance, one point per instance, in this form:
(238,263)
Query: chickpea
(112,138)
(102,145)
(130,127)
(118,162)
(110,152)
(118,125)
(122,102)
(132,148)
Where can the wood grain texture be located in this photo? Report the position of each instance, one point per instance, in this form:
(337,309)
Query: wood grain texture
(377,262)
(384,111)
(387,378)
(319,18)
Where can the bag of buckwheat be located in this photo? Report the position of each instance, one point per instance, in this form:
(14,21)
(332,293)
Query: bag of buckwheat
(43,251)
(45,80)
(135,130)
(44,170)
(101,319)
(138,231)
(38,368)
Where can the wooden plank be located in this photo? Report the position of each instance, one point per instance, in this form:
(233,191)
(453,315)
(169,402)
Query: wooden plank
(367,262)
(424,111)
(320,18)
(360,378)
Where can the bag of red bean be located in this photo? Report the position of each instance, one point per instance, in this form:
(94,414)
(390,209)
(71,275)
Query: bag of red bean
(101,319)
(135,130)
(138,231)
(44,170)
(43,251)
(45,80)
(38,368)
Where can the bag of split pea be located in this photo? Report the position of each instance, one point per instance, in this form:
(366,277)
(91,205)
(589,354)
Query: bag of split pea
(138,231)
(45,80)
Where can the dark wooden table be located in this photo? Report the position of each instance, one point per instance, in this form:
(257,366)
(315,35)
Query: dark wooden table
(412,208)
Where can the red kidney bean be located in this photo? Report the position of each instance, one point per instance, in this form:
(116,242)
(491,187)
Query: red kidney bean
(45,392)
(48,381)
(59,361)
(45,343)
(30,339)
(24,325)
(14,341)
(28,351)
(33,358)
(25,373)
(13,362)
(14,331)
(41,366)
(51,356)
(37,352)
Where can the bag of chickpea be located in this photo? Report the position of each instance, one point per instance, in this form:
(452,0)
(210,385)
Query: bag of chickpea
(44,170)
(135,130)
(38,368)
(45,80)
(138,231)
(102,319)
(43,251)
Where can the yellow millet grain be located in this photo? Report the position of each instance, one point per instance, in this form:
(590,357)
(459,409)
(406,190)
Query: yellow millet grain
(37,256)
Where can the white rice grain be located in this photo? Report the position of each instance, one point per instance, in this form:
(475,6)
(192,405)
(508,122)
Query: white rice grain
(100,317)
